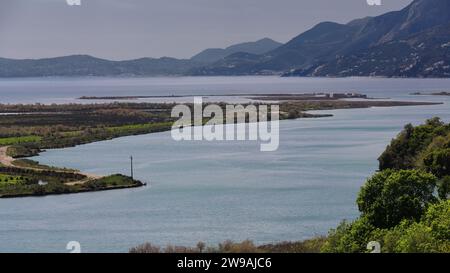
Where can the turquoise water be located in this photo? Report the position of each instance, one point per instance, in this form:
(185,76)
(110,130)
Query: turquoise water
(213,191)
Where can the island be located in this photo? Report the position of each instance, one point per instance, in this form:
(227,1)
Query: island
(278,97)
(443,93)
(27,130)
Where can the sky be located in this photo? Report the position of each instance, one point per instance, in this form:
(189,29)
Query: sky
(128,29)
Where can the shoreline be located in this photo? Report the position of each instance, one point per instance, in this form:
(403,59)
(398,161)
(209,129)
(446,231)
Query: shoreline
(438,94)
(8,161)
(77,186)
(73,193)
(292,109)
(275,75)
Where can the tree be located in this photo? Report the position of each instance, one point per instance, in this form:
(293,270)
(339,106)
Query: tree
(350,237)
(392,196)
(438,162)
(201,246)
(444,188)
(417,238)
(403,151)
(437,218)
(431,234)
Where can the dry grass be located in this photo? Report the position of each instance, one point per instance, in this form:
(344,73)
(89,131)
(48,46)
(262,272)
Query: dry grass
(247,246)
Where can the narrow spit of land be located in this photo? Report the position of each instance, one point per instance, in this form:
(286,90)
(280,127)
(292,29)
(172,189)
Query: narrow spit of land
(281,96)
(27,130)
(444,93)
(8,161)
(22,178)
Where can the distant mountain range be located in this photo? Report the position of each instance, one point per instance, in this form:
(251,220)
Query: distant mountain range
(85,65)
(412,42)
(213,55)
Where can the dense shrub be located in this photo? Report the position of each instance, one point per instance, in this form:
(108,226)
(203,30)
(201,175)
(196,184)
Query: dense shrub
(438,162)
(438,219)
(444,188)
(349,237)
(404,151)
(392,196)
(430,234)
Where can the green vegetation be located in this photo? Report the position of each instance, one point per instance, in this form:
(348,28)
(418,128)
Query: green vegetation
(57,126)
(392,196)
(17,140)
(414,144)
(113,181)
(60,126)
(33,182)
(29,129)
(430,234)
(405,207)
(6,180)
(17,182)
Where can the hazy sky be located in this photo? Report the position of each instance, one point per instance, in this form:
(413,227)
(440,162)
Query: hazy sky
(125,29)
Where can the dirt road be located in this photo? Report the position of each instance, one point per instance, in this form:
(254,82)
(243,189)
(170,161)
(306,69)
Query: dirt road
(8,162)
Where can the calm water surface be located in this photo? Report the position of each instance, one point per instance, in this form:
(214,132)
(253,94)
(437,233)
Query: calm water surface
(67,90)
(212,191)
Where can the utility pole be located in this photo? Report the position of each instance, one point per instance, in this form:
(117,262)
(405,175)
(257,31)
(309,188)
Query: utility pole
(132,173)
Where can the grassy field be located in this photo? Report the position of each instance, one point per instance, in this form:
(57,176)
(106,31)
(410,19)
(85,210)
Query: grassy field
(16,182)
(6,179)
(113,181)
(61,126)
(146,127)
(19,140)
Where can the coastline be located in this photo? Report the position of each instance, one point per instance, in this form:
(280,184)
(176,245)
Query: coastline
(78,192)
(149,239)
(80,185)
(291,109)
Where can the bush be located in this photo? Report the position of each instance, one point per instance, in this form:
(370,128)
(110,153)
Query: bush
(438,162)
(444,188)
(403,152)
(437,218)
(350,237)
(415,238)
(398,206)
(430,235)
(392,196)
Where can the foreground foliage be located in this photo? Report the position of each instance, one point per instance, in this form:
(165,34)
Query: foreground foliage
(430,234)
(404,207)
